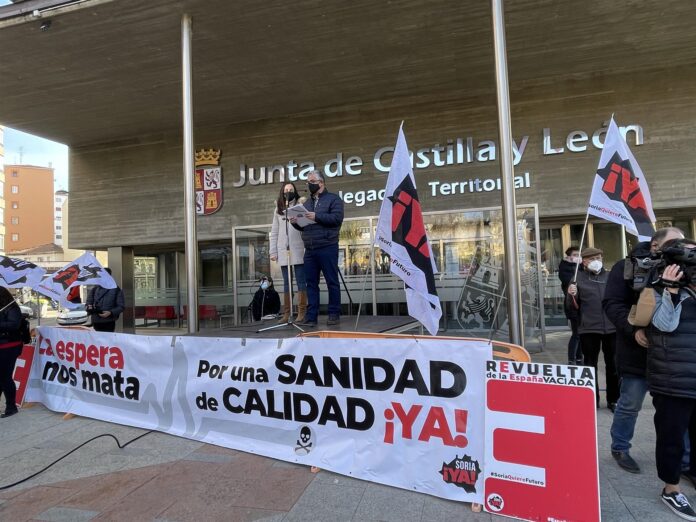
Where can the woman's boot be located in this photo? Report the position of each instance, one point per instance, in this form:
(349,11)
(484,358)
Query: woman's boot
(301,306)
(287,308)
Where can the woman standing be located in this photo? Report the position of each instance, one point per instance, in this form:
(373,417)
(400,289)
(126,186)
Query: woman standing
(10,348)
(286,248)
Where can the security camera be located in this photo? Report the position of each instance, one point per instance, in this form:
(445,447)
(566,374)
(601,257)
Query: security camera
(45,26)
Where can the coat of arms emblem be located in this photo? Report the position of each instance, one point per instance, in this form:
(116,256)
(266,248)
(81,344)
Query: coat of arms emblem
(208,182)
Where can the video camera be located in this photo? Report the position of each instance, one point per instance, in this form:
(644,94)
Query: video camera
(641,270)
(681,252)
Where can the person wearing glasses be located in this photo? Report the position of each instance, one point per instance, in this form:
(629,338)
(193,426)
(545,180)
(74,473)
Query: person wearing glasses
(320,238)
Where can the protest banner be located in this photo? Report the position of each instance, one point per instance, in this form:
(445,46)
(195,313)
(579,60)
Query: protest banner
(22,370)
(406,413)
(536,413)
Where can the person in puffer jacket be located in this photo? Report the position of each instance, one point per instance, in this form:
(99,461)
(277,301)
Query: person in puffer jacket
(672,372)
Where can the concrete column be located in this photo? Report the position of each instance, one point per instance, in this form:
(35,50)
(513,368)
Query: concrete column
(121,264)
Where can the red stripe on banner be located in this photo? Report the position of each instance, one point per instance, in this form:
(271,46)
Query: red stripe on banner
(22,371)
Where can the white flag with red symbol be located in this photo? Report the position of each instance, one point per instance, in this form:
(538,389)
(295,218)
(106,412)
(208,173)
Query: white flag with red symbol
(85,270)
(620,193)
(18,273)
(401,234)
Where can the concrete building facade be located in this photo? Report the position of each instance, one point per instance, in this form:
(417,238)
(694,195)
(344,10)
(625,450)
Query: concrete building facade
(327,86)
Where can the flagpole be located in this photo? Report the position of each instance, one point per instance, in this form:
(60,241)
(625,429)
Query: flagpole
(512,268)
(582,239)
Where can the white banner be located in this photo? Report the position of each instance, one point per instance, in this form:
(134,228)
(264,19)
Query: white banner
(407,413)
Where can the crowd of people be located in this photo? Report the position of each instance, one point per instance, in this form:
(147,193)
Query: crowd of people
(642,316)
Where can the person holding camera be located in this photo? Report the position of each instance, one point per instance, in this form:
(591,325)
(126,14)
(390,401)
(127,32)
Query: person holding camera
(622,293)
(672,371)
(286,248)
(595,330)
(105,305)
(10,348)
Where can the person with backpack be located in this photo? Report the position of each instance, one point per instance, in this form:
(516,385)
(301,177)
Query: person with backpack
(10,348)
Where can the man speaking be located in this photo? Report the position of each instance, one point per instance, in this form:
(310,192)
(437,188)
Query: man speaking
(320,240)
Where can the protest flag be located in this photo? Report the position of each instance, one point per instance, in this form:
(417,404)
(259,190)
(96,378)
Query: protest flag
(401,234)
(17,273)
(620,193)
(85,270)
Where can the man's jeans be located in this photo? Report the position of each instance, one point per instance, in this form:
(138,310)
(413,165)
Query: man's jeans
(632,395)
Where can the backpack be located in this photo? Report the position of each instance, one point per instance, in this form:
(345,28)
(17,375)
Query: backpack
(25,331)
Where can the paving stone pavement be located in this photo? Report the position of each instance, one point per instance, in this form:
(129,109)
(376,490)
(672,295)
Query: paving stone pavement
(169,479)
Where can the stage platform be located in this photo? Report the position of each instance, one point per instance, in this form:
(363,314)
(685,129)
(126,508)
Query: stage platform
(366,323)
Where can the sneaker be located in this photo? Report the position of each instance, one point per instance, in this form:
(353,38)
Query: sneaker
(679,504)
(9,413)
(625,461)
(612,406)
(333,319)
(308,322)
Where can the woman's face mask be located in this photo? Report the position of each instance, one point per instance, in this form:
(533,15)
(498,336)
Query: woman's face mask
(265,284)
(595,266)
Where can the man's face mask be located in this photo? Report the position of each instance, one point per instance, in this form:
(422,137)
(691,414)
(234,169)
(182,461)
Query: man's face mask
(313,187)
(595,266)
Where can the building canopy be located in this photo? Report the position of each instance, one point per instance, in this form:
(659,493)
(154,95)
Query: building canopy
(104,71)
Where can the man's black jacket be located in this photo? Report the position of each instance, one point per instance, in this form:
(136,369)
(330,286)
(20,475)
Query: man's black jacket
(619,296)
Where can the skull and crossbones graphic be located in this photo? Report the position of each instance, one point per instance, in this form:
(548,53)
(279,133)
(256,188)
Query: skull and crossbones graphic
(304,444)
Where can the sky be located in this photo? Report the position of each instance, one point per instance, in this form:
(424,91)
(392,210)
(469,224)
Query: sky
(25,149)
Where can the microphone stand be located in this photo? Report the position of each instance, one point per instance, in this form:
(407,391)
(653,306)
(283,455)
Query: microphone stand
(290,269)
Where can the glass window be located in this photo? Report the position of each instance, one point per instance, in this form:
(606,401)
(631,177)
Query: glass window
(15,204)
(607,237)
(14,220)
(2,242)
(59,236)
(15,237)
(15,189)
